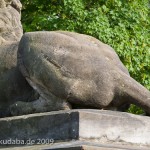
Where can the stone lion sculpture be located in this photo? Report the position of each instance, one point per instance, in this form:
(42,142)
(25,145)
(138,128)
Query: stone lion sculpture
(13,86)
(67,70)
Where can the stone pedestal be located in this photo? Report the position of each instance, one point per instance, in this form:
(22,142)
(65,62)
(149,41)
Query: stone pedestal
(89,129)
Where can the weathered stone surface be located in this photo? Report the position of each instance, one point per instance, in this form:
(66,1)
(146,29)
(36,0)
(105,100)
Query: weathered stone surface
(66,69)
(83,145)
(103,127)
(13,86)
(73,69)
(77,145)
(10,25)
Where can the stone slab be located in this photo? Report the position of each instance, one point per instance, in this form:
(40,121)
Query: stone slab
(83,145)
(100,126)
(76,145)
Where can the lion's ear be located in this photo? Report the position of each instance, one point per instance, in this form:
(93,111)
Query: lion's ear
(17,5)
(2,4)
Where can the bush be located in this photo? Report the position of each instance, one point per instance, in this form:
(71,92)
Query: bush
(123,24)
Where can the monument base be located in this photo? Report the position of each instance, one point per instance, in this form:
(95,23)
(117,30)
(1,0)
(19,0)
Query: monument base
(77,145)
(98,129)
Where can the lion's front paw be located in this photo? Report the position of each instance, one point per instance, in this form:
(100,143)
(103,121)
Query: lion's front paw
(15,109)
(20,108)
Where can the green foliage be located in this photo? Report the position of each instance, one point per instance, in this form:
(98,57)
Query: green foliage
(123,24)
(135,110)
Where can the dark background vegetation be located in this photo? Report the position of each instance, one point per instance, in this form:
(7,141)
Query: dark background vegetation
(123,24)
